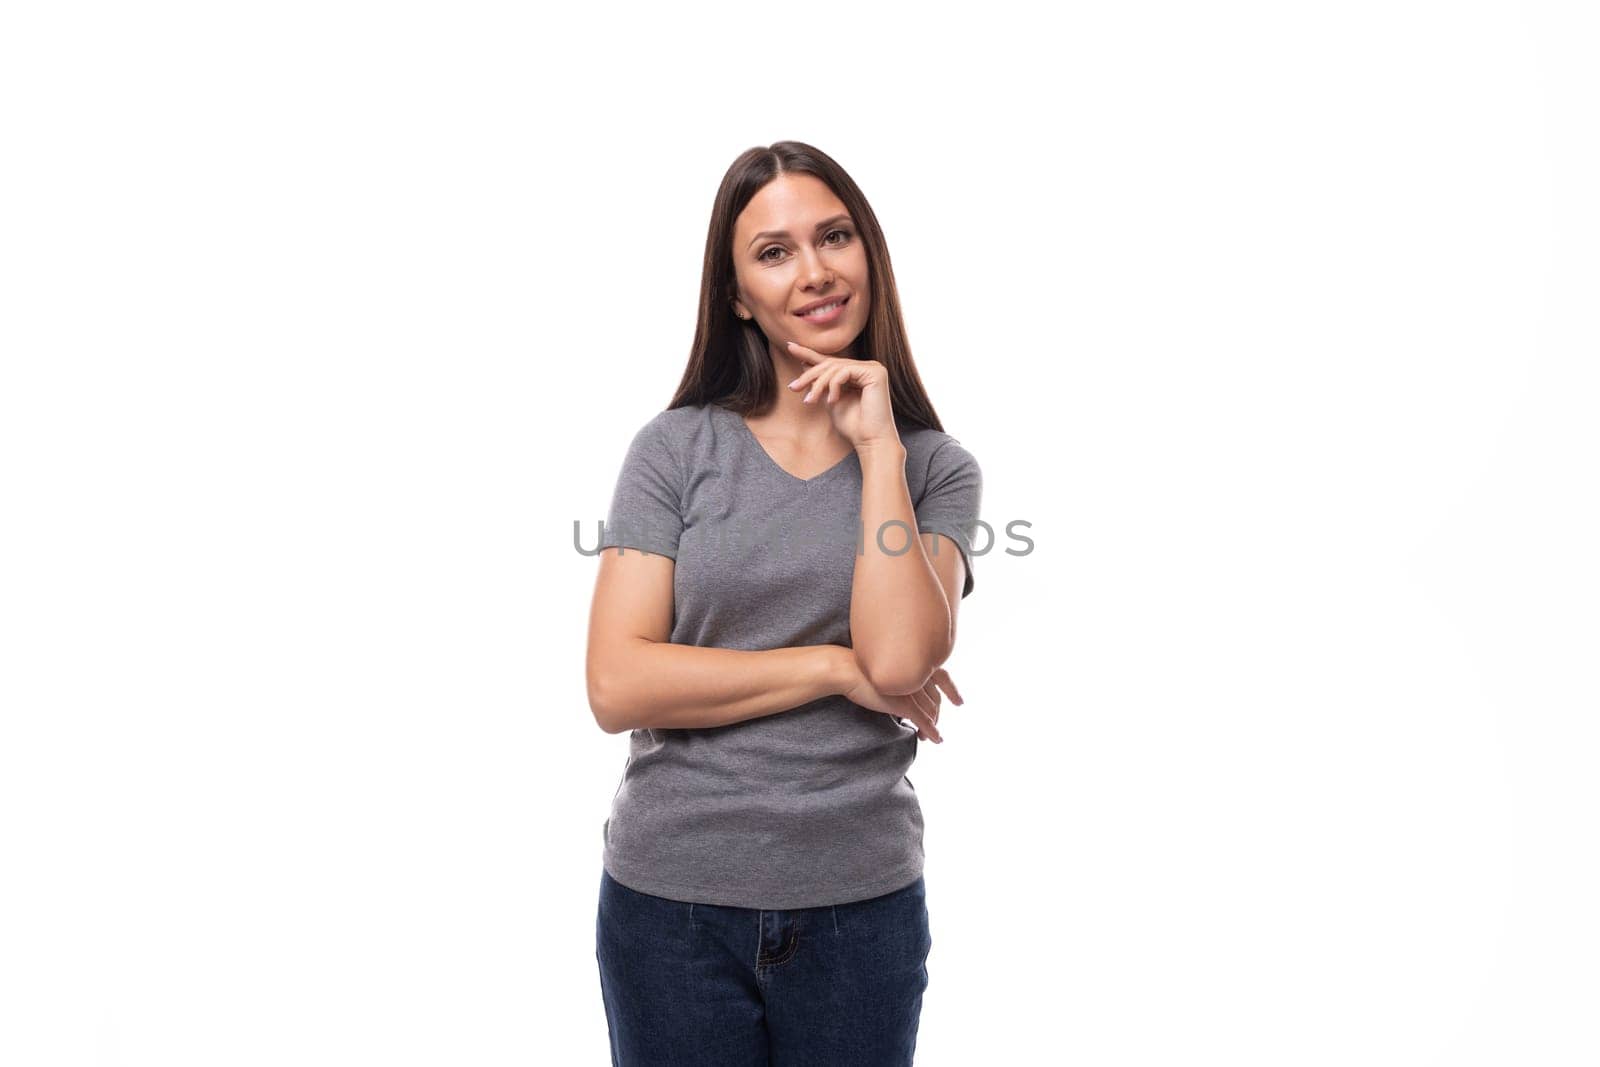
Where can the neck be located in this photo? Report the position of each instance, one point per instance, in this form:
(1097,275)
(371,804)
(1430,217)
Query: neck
(789,415)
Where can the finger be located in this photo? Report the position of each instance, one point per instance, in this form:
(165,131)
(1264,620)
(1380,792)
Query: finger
(854,375)
(948,684)
(800,351)
(819,383)
(908,717)
(806,375)
(926,720)
(921,703)
(825,384)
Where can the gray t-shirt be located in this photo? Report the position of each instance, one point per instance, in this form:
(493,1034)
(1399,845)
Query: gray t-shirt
(805,807)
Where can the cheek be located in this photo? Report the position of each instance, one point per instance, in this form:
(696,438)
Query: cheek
(755,286)
(863,280)
(776,297)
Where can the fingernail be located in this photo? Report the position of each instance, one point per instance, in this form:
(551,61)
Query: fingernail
(788,342)
(794,383)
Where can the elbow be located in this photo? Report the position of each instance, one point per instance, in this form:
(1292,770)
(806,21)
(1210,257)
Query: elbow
(608,715)
(897,678)
(603,716)
(616,698)
(902,674)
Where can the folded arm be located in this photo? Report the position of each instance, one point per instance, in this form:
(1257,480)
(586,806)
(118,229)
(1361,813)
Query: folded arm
(904,591)
(637,679)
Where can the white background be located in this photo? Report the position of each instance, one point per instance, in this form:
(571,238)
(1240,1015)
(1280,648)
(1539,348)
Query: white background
(323,322)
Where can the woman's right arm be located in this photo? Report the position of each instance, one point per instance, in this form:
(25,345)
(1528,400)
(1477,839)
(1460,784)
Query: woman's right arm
(639,680)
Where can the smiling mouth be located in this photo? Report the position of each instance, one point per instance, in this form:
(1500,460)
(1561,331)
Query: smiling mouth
(826,311)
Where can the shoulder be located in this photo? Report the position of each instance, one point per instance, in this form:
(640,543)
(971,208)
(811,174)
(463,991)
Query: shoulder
(680,437)
(676,422)
(674,426)
(934,454)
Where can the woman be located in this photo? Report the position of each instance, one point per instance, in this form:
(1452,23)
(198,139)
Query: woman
(774,648)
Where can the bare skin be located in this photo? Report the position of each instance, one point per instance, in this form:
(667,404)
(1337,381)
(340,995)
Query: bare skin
(795,245)
(638,679)
(778,275)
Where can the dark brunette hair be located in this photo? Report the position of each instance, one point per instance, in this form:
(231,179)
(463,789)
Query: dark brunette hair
(730,362)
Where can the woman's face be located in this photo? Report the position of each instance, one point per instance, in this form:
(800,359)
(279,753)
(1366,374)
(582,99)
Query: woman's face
(794,245)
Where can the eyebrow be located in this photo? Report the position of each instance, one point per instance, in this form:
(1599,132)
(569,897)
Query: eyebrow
(784,233)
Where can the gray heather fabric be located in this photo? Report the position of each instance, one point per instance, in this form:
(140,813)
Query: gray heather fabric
(804,807)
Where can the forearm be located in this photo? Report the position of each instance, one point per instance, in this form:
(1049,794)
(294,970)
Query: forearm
(899,618)
(666,686)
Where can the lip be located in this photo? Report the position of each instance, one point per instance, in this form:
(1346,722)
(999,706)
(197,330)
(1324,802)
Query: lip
(834,314)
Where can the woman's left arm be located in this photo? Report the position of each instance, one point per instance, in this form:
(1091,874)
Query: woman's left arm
(906,586)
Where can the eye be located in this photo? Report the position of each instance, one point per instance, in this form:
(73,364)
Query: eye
(846,234)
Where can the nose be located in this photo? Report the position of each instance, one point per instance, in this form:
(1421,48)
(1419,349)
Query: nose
(814,274)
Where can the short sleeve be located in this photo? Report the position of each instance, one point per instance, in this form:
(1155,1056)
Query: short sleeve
(950,502)
(646,510)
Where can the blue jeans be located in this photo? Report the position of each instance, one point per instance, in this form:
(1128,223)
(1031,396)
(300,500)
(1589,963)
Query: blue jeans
(685,983)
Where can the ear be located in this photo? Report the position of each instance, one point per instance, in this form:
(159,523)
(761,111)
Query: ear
(740,310)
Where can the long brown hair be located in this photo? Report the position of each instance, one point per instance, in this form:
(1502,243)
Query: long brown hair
(730,362)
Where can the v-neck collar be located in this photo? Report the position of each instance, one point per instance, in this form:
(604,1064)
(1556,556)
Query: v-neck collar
(849,459)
